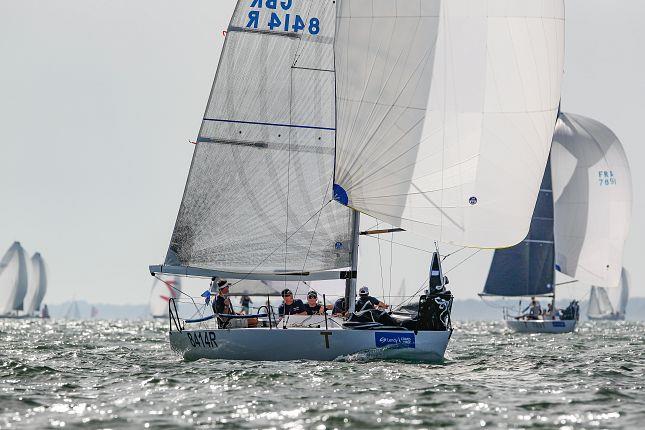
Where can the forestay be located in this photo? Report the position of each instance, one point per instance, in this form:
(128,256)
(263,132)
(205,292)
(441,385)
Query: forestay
(257,194)
(446,111)
(593,200)
(13,279)
(527,269)
(37,284)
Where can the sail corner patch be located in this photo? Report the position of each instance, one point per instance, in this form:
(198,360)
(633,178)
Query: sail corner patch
(340,195)
(394,340)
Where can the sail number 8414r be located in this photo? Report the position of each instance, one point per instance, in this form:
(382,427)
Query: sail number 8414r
(285,22)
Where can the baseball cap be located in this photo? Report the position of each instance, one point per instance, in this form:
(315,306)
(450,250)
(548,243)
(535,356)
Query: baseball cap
(286,292)
(364,291)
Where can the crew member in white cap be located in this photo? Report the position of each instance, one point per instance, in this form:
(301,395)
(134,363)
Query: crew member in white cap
(365,301)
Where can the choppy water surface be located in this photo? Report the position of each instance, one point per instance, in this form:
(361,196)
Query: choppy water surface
(102,374)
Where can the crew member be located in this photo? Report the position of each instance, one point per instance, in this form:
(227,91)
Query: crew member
(291,306)
(365,301)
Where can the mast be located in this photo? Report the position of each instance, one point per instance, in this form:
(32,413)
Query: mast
(350,283)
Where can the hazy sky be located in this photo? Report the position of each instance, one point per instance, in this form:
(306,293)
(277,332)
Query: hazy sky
(98,100)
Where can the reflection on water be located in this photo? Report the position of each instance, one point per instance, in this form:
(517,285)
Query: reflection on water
(110,374)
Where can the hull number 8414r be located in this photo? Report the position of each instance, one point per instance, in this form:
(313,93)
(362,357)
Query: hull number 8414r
(279,20)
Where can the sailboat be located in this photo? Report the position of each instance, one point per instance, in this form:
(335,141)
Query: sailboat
(73,312)
(13,282)
(600,306)
(161,293)
(37,286)
(587,182)
(322,111)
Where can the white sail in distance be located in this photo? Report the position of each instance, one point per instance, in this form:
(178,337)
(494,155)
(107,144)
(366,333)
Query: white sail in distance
(599,303)
(13,279)
(37,285)
(258,192)
(445,113)
(625,281)
(592,188)
(161,293)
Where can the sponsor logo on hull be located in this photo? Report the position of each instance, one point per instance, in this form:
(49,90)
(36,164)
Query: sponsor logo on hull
(395,340)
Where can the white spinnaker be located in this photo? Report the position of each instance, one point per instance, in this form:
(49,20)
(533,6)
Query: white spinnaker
(160,294)
(37,285)
(13,279)
(625,280)
(592,189)
(446,111)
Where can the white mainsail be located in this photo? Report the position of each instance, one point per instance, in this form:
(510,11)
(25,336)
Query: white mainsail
(37,286)
(258,192)
(13,279)
(161,293)
(592,189)
(446,111)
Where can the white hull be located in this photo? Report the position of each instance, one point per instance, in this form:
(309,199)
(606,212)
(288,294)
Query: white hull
(263,344)
(542,326)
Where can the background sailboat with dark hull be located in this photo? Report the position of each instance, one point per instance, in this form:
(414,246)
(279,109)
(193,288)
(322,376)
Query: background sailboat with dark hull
(314,118)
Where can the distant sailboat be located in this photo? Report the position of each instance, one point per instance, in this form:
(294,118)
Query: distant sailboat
(579,225)
(600,306)
(13,282)
(37,286)
(162,291)
(73,312)
(321,111)
(94,312)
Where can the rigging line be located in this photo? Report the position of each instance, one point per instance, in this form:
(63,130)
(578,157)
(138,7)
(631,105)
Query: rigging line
(286,227)
(280,245)
(313,235)
(391,259)
(398,243)
(380,263)
(463,261)
(453,253)
(413,294)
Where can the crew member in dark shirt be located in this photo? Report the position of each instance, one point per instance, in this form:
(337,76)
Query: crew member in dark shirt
(291,306)
(339,307)
(365,301)
(312,306)
(222,304)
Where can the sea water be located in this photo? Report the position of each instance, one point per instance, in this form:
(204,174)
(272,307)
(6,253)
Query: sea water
(122,374)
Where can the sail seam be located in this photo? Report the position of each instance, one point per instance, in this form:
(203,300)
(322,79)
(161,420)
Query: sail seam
(270,124)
